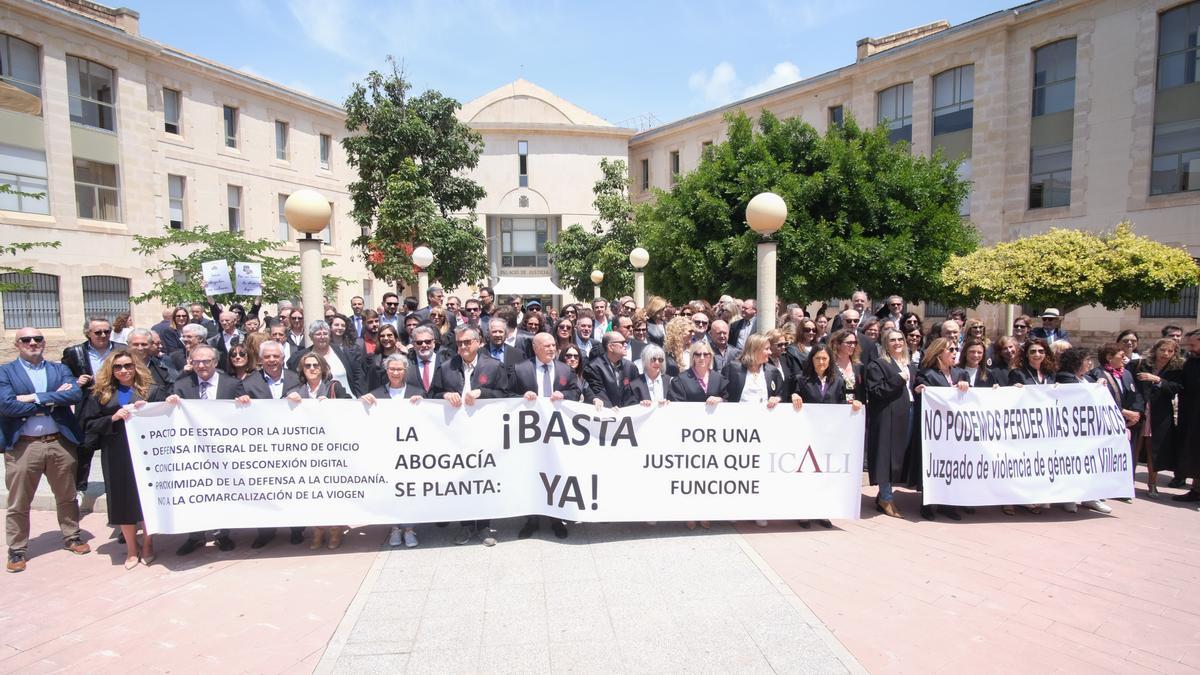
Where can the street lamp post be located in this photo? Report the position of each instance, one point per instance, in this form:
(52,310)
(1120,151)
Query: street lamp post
(597,277)
(765,215)
(422,257)
(638,257)
(307,212)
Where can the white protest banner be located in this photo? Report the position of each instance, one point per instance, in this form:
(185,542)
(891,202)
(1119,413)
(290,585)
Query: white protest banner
(1023,445)
(217,464)
(216,277)
(249,278)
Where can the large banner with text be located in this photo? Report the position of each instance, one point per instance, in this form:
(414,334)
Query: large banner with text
(217,464)
(1023,445)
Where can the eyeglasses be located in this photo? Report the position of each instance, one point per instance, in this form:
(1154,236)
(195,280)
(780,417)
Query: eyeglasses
(808,330)
(630,308)
(107,331)
(657,359)
(391,304)
(850,343)
(1038,350)
(570,356)
(702,355)
(565,326)
(700,324)
(35,339)
(952,349)
(202,362)
(309,366)
(619,343)
(472,310)
(238,355)
(123,366)
(464,343)
(1021,326)
(779,344)
(420,343)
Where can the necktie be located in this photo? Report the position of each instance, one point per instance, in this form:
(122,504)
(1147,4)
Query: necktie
(425,374)
(547,387)
(203,391)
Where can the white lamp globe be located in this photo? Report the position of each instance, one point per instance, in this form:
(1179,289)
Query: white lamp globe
(307,211)
(422,257)
(765,213)
(597,276)
(638,257)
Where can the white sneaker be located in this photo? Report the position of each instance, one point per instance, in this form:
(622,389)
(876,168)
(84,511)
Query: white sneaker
(1071,507)
(396,537)
(410,539)
(760,523)
(1097,506)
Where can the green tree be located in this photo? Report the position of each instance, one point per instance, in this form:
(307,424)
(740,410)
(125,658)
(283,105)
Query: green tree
(178,254)
(412,155)
(606,244)
(1068,269)
(862,213)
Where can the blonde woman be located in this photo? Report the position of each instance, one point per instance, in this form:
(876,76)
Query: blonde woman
(890,382)
(677,338)
(122,385)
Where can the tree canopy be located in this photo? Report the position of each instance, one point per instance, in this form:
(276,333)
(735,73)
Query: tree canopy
(412,156)
(606,244)
(181,252)
(862,213)
(1068,269)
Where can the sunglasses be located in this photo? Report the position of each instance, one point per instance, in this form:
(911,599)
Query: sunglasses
(123,366)
(700,323)
(102,332)
(391,304)
(35,339)
(238,355)
(570,356)
(309,366)
(422,342)
(702,355)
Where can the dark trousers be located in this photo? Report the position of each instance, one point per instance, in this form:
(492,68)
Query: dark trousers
(84,468)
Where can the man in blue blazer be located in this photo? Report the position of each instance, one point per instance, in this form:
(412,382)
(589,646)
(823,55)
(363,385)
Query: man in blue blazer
(40,437)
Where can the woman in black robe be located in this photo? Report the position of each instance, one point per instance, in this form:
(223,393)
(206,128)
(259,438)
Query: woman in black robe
(122,385)
(890,381)
(1159,375)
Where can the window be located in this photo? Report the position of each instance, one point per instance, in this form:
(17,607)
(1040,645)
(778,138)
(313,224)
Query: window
(836,116)
(233,207)
(171,99)
(90,87)
(24,171)
(894,110)
(1175,166)
(327,233)
(523,242)
(674,167)
(175,197)
(231,127)
(523,163)
(284,231)
(935,308)
(20,65)
(953,119)
(281,140)
(645,174)
(326,149)
(1052,126)
(96,193)
(33,304)
(105,296)
(1182,307)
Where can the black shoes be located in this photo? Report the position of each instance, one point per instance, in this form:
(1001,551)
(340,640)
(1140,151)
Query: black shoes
(950,512)
(1177,482)
(225,543)
(297,536)
(531,525)
(560,529)
(824,522)
(927,513)
(188,546)
(263,539)
(1189,496)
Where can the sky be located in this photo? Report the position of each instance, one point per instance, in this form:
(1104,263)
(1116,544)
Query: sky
(636,64)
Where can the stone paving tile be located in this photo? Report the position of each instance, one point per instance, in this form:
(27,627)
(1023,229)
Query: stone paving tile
(1053,592)
(611,599)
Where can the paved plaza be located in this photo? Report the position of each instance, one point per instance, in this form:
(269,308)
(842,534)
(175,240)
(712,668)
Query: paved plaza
(1050,593)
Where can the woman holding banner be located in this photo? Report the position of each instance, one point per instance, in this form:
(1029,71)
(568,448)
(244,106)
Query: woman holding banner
(972,362)
(843,345)
(573,357)
(938,370)
(1037,364)
(820,382)
(123,384)
(317,383)
(890,381)
(698,384)
(1160,377)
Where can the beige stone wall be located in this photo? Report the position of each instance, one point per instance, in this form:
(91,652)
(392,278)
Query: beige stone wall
(147,155)
(1113,125)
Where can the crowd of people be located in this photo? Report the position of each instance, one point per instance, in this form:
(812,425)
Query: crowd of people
(56,415)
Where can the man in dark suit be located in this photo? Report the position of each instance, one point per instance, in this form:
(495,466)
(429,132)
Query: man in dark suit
(205,383)
(436,297)
(40,435)
(868,350)
(742,328)
(228,336)
(465,379)
(1051,328)
(271,382)
(543,377)
(196,310)
(608,375)
(141,344)
(425,361)
(633,348)
(505,353)
(357,307)
(84,361)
